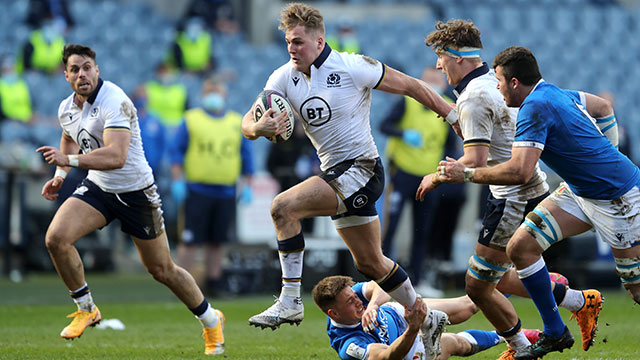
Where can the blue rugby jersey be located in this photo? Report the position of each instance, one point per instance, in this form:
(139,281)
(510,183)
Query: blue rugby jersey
(351,341)
(553,120)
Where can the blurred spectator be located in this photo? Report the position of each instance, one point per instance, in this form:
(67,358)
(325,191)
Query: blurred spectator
(623,137)
(208,157)
(219,14)
(416,143)
(192,49)
(152,133)
(292,161)
(346,40)
(449,202)
(40,10)
(166,96)
(15,99)
(43,52)
(16,159)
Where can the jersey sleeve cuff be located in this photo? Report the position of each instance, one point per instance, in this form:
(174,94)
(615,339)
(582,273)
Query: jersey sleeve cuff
(532,144)
(384,72)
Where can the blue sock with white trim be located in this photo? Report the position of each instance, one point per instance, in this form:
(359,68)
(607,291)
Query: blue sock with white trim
(535,279)
(484,339)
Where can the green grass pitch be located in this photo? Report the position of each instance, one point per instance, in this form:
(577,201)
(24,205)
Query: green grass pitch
(32,314)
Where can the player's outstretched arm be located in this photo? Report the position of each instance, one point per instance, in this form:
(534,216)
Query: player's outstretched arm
(474,157)
(518,170)
(400,83)
(50,153)
(429,183)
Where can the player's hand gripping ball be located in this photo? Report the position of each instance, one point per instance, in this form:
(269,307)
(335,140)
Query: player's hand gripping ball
(268,99)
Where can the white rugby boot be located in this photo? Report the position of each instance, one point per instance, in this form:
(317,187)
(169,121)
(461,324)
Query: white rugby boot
(432,330)
(279,313)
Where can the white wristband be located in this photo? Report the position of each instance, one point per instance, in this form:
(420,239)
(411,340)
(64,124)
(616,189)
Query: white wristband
(452,117)
(61,173)
(468,174)
(73,160)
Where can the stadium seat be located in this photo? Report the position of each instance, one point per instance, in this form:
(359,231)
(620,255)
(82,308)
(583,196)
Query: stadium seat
(46,134)
(11,131)
(80,8)
(562,34)
(18,9)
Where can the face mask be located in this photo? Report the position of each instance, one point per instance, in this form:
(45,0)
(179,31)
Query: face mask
(213,102)
(193,30)
(11,77)
(50,32)
(167,79)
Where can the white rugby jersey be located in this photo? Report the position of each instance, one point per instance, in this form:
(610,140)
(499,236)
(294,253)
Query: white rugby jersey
(485,119)
(108,107)
(333,103)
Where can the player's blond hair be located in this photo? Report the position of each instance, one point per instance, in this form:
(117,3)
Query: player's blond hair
(295,14)
(325,292)
(457,32)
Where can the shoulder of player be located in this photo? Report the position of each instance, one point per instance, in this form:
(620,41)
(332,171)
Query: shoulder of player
(110,91)
(350,60)
(66,103)
(535,104)
(539,96)
(111,96)
(478,95)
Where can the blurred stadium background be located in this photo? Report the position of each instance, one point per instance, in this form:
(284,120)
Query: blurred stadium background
(589,45)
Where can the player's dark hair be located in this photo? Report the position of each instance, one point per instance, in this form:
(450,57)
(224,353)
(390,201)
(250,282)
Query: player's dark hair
(325,292)
(518,62)
(456,32)
(77,49)
(295,14)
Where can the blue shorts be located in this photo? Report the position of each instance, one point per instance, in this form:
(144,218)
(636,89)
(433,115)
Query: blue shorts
(358,183)
(208,219)
(139,212)
(502,218)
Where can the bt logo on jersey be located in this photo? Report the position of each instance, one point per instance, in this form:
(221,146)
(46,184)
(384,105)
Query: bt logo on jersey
(315,111)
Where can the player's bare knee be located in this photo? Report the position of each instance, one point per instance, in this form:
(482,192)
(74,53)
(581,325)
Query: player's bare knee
(279,209)
(160,273)
(54,240)
(476,290)
(515,251)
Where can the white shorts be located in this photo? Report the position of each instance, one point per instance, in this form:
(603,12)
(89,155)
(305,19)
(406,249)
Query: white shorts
(616,221)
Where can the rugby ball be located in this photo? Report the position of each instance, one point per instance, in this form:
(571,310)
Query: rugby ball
(268,99)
